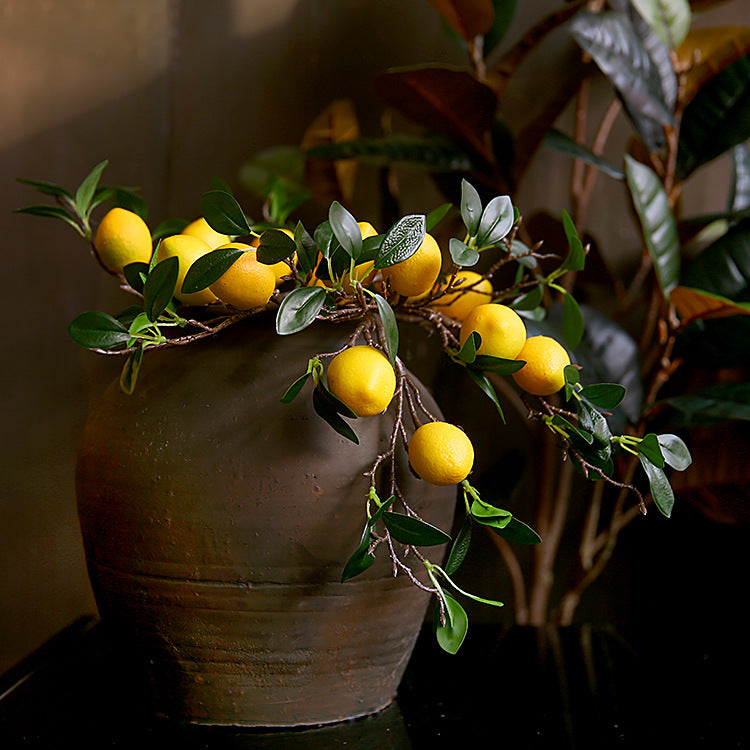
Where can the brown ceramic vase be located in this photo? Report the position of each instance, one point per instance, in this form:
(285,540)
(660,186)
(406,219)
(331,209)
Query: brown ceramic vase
(217,522)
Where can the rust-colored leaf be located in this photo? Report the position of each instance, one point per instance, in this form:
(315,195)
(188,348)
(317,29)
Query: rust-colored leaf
(695,304)
(330,181)
(708,51)
(468,18)
(445,100)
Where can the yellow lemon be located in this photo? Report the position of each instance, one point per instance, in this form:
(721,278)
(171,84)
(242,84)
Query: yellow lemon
(363,379)
(187,249)
(201,229)
(122,237)
(247,283)
(458,304)
(416,274)
(546,360)
(502,330)
(441,453)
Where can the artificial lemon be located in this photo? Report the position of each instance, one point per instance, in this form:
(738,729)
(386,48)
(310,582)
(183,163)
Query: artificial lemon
(472,289)
(201,229)
(416,274)
(122,237)
(441,453)
(501,328)
(187,249)
(247,283)
(363,379)
(546,360)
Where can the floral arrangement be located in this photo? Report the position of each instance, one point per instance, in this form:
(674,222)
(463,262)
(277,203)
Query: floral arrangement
(191,281)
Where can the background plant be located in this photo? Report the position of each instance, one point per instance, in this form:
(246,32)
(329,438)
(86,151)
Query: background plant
(677,333)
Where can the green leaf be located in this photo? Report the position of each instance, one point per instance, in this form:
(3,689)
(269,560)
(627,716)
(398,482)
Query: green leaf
(670,19)
(522,255)
(451,635)
(326,240)
(307,250)
(558,141)
(572,376)
(489,515)
(346,229)
(617,49)
(576,258)
(461,254)
(130,370)
(483,382)
(675,452)
(657,222)
(518,532)
(87,188)
(572,322)
(661,490)
(468,352)
(505,11)
(361,559)
(497,220)
(590,420)
(721,401)
(209,268)
(401,241)
(459,548)
(436,216)
(299,309)
(223,213)
(159,287)
(390,327)
(98,330)
(471,208)
(649,447)
(48,188)
(571,430)
(716,119)
(275,246)
(327,411)
(529,301)
(604,395)
(410,530)
(293,391)
(487,363)
(50,212)
(739,197)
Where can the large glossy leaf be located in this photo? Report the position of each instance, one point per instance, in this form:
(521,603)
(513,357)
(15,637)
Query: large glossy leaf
(159,287)
(401,241)
(299,309)
(721,401)
(505,11)
(447,101)
(717,118)
(723,268)
(696,304)
(223,213)
(739,195)
(98,330)
(468,18)
(558,141)
(617,49)
(661,490)
(410,530)
(670,19)
(657,222)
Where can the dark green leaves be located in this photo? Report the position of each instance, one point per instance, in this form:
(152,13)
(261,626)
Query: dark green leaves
(390,327)
(657,222)
(346,229)
(401,241)
(604,395)
(576,258)
(275,246)
(85,192)
(451,635)
(299,309)
(329,408)
(362,557)
(721,401)
(558,141)
(661,490)
(98,330)
(222,212)
(410,530)
(471,207)
(209,268)
(159,287)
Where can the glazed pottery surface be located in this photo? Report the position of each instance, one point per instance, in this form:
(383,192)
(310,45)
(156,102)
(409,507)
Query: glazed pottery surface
(217,522)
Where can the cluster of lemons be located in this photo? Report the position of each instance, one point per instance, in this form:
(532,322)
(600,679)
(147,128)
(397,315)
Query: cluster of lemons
(361,377)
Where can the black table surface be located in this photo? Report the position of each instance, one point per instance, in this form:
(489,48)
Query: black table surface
(518,688)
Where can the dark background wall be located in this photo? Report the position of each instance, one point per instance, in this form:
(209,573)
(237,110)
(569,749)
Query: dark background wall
(173,93)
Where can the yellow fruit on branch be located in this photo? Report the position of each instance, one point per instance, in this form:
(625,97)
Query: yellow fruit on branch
(441,453)
(544,371)
(187,249)
(501,328)
(362,378)
(201,229)
(122,237)
(247,283)
(417,274)
(472,290)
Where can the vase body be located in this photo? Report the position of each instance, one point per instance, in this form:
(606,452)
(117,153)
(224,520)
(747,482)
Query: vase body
(217,522)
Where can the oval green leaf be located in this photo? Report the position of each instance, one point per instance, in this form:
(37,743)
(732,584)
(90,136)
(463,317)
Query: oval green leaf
(675,452)
(497,220)
(604,395)
(209,268)
(410,530)
(159,287)
(275,246)
(451,635)
(390,327)
(661,490)
(461,254)
(459,548)
(518,532)
(299,309)
(222,212)
(471,207)
(401,241)
(98,330)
